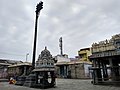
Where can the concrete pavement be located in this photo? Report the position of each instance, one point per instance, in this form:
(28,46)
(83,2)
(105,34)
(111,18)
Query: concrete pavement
(63,84)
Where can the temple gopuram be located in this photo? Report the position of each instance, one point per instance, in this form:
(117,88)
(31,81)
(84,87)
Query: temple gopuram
(106,61)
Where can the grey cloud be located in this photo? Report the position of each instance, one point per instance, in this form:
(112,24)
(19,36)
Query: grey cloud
(15,25)
(79,22)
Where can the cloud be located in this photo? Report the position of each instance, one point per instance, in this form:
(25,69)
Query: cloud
(79,22)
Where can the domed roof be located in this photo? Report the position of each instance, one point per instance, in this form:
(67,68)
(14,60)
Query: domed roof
(45,60)
(45,54)
(45,51)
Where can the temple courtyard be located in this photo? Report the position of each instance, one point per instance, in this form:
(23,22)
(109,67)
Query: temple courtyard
(64,84)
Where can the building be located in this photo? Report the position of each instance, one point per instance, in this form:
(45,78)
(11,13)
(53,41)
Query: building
(4,67)
(19,69)
(3,70)
(84,53)
(106,61)
(61,66)
(74,67)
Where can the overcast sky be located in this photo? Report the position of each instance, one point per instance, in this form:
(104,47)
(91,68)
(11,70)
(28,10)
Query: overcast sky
(79,22)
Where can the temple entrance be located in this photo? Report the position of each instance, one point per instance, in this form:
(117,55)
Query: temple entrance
(106,70)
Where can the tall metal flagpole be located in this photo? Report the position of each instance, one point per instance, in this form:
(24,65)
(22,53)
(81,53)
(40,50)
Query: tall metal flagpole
(38,8)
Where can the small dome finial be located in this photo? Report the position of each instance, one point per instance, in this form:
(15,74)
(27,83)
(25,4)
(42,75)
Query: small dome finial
(45,48)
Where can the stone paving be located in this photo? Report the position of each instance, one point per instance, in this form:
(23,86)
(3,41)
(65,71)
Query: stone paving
(63,84)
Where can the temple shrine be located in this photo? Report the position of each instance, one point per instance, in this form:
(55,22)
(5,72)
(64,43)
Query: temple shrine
(43,76)
(106,61)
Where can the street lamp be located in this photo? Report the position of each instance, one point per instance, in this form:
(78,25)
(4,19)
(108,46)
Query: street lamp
(27,56)
(38,8)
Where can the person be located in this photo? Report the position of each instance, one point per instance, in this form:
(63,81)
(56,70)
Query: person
(12,81)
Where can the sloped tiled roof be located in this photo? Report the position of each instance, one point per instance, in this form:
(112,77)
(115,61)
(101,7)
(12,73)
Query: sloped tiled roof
(9,62)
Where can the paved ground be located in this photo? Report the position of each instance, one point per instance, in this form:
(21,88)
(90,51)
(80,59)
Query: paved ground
(63,84)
